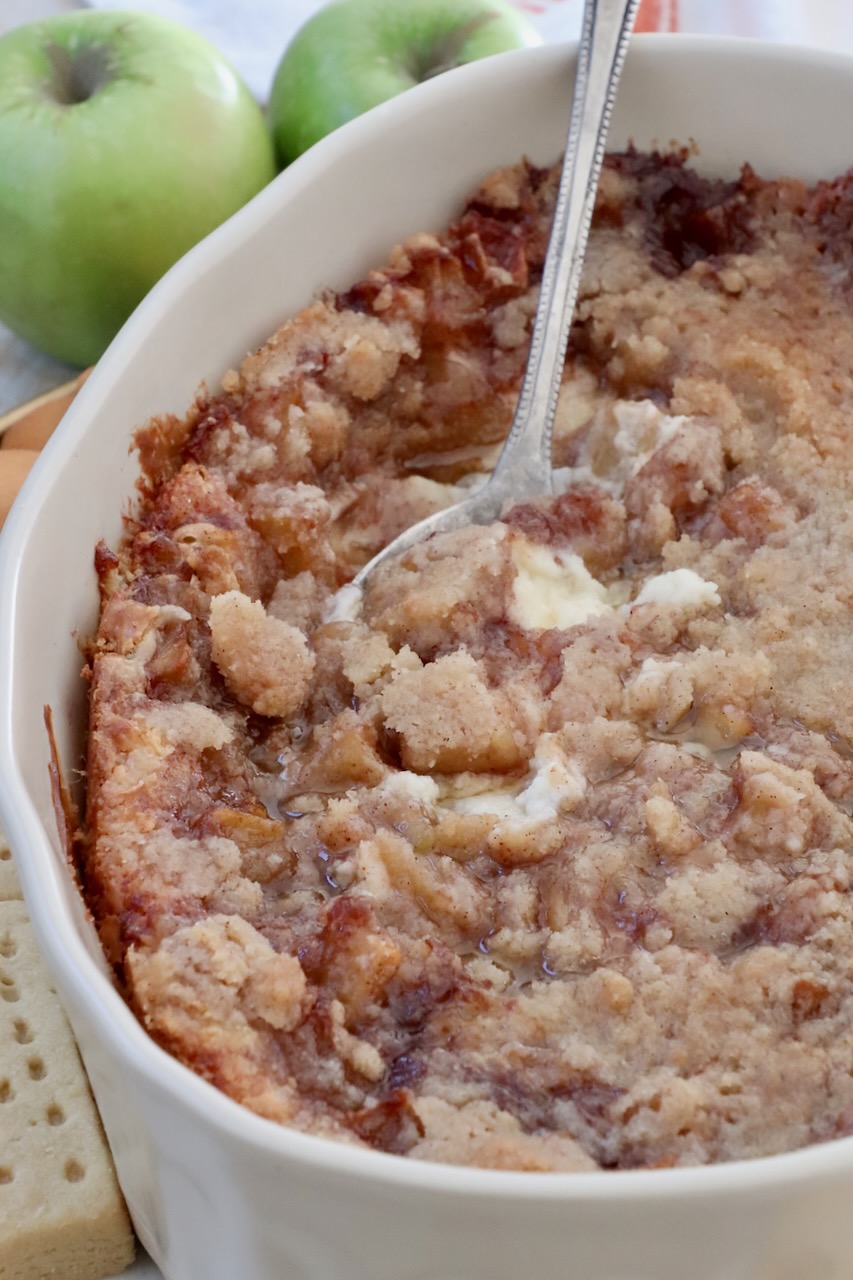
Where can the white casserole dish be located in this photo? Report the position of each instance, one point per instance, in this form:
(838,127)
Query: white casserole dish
(217,1193)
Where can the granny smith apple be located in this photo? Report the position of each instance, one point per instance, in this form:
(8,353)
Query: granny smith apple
(354,54)
(124,139)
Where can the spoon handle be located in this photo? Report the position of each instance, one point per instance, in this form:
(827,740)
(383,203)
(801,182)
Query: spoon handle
(524,466)
(523,469)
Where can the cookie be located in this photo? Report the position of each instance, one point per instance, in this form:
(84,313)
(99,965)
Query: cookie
(61,1211)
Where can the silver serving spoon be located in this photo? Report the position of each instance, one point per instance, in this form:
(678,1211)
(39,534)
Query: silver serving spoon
(524,468)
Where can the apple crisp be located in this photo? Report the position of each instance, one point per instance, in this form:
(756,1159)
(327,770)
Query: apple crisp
(538,856)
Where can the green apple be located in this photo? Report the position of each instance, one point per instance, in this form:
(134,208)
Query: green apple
(354,54)
(124,139)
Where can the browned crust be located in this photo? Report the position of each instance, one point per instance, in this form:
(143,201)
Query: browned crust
(654,973)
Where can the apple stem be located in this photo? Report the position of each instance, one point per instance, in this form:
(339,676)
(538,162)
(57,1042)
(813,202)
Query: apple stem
(444,53)
(78,76)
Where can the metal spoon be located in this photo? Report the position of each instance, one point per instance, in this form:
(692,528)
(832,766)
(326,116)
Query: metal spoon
(524,468)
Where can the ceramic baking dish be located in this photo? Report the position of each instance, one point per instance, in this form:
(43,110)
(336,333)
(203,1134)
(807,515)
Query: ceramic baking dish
(215,1192)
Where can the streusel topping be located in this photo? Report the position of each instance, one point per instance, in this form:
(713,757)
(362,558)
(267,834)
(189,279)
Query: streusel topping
(538,859)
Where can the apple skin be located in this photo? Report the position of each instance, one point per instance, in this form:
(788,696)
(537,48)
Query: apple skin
(354,54)
(99,196)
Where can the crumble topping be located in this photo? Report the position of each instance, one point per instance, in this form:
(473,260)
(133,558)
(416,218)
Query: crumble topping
(536,855)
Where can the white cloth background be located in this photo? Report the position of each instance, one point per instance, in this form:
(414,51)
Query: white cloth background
(254,33)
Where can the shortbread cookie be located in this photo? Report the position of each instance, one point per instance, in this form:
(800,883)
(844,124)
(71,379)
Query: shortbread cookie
(61,1211)
(9,885)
